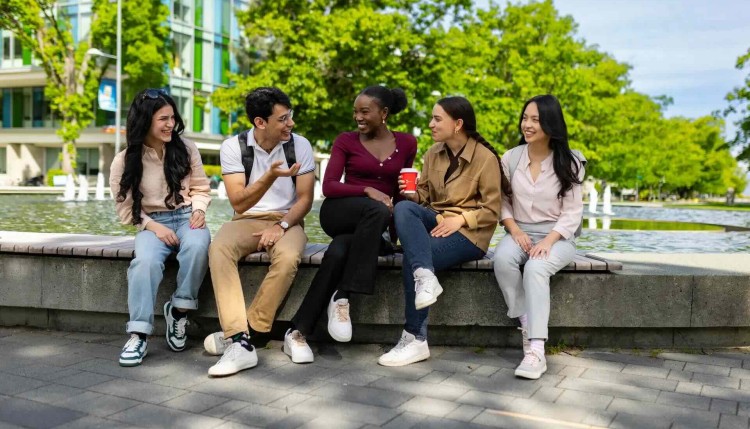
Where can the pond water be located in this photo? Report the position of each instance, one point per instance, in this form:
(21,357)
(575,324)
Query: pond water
(632,229)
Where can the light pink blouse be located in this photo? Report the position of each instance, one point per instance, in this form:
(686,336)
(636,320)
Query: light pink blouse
(535,202)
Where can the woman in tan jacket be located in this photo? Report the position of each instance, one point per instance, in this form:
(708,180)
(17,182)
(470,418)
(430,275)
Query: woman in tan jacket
(448,221)
(160,187)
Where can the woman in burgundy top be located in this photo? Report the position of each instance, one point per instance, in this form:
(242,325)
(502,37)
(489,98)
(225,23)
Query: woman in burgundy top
(356,211)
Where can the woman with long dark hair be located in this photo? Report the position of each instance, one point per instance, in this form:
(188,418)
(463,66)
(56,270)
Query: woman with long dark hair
(541,214)
(355,214)
(160,187)
(448,221)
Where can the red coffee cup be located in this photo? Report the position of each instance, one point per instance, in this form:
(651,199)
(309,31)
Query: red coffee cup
(409,176)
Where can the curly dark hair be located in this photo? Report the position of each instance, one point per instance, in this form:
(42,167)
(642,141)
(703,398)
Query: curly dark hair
(460,108)
(551,119)
(176,155)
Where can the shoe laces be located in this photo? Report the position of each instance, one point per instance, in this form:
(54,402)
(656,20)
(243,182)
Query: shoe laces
(133,344)
(421,284)
(531,359)
(342,312)
(178,325)
(298,338)
(401,345)
(231,353)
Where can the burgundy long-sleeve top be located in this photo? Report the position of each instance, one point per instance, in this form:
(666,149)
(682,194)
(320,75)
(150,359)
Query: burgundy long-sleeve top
(363,169)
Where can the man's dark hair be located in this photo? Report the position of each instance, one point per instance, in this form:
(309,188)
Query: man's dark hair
(260,102)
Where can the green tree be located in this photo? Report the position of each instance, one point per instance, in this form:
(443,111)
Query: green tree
(73,75)
(739,103)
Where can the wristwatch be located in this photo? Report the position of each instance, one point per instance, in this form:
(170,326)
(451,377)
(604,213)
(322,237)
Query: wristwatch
(283,224)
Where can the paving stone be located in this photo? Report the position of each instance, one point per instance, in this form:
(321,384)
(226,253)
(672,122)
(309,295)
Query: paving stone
(740,373)
(404,421)
(236,425)
(624,358)
(678,375)
(702,359)
(674,364)
(745,384)
(464,413)
(723,406)
(599,418)
(84,379)
(709,369)
(584,399)
(485,371)
(148,415)
(225,408)
(547,394)
(347,410)
(516,387)
(418,388)
(290,400)
(648,371)
(194,402)
(258,415)
(92,422)
(604,388)
(42,372)
(429,406)
(688,388)
(435,377)
(555,412)
(329,422)
(50,394)
(363,395)
(563,359)
(240,388)
(33,414)
(507,377)
(684,400)
(571,371)
(502,419)
(486,400)
(448,365)
(629,379)
(733,422)
(684,415)
(631,421)
(724,393)
(97,404)
(13,384)
(146,392)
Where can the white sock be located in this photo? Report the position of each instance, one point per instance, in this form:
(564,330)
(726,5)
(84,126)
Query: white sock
(538,346)
(524,319)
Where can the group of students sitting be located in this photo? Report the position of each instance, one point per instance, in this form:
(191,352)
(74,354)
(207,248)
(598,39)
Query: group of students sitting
(463,191)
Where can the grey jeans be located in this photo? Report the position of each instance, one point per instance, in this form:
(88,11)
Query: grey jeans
(528,293)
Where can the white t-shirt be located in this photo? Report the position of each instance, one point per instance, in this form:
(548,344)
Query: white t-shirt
(281,195)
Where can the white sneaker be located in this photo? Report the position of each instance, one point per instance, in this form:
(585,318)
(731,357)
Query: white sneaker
(215,344)
(235,359)
(134,351)
(525,341)
(408,350)
(339,323)
(532,366)
(296,347)
(427,287)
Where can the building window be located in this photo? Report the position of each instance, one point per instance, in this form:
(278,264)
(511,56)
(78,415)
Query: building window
(183,55)
(3,160)
(183,11)
(87,161)
(52,158)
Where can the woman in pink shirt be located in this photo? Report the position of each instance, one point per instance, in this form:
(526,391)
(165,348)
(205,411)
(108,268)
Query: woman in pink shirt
(355,213)
(159,186)
(541,213)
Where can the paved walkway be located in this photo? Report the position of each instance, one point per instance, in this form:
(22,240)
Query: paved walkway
(72,380)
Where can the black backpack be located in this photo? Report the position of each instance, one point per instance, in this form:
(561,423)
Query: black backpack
(248,155)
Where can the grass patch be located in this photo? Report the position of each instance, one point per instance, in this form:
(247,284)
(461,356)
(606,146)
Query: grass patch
(561,347)
(656,352)
(479,350)
(740,207)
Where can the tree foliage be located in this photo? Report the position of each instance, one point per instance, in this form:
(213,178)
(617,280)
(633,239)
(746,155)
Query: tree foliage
(739,102)
(73,74)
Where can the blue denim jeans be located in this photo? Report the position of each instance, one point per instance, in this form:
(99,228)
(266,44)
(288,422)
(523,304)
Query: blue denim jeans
(421,250)
(147,269)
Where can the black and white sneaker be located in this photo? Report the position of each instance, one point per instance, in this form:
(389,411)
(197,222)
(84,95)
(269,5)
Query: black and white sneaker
(176,336)
(134,351)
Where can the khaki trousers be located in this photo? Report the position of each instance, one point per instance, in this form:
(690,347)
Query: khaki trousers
(233,242)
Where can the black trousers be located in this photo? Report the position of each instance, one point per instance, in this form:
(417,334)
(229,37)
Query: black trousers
(350,264)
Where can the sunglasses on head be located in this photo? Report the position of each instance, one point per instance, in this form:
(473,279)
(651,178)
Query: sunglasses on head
(153,93)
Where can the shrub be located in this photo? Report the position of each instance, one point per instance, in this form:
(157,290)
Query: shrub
(52,172)
(212,170)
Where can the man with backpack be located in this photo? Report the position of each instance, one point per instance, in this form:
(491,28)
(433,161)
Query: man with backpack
(269,177)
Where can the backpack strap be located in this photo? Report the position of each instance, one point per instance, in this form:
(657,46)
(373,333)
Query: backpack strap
(248,155)
(291,156)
